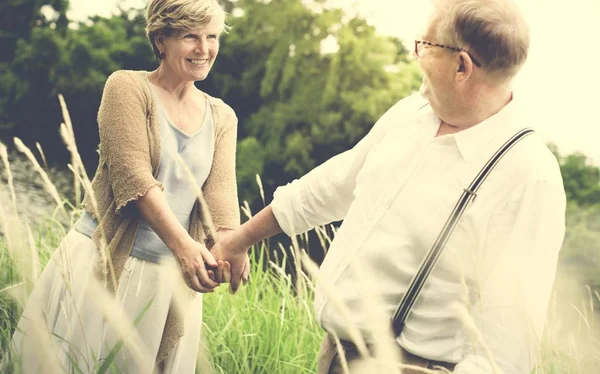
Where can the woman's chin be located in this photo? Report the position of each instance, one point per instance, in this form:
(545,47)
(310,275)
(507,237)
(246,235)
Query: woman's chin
(200,75)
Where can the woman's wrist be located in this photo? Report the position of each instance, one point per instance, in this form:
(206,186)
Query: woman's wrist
(179,243)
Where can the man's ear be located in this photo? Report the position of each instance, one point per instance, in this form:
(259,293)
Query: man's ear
(465,67)
(461,65)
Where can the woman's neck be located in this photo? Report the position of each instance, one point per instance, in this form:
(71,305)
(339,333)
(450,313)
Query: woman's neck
(175,87)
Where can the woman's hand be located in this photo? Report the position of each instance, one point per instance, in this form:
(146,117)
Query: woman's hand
(190,254)
(194,258)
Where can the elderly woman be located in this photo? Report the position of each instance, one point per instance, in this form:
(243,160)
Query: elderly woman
(160,138)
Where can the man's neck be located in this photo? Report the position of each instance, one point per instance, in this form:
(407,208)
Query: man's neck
(478,110)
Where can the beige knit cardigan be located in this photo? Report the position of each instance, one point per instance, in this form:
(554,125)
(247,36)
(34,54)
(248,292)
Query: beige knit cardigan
(129,160)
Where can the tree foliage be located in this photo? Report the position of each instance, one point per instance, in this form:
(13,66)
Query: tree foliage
(580,255)
(306,81)
(76,63)
(581,178)
(320,83)
(19,17)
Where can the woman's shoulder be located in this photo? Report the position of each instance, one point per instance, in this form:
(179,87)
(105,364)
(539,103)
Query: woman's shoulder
(128,79)
(223,112)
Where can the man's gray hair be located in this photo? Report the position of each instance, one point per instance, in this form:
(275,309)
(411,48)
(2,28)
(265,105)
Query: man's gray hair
(493,31)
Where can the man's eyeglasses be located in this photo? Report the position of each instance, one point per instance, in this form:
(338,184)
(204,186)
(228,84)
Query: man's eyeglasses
(420,43)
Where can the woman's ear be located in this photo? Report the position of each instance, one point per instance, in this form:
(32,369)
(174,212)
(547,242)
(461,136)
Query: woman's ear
(160,40)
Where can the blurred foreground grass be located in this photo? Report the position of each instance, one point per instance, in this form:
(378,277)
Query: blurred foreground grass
(264,328)
(268,327)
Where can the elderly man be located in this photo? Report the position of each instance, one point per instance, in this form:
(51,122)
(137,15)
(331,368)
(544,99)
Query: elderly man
(397,187)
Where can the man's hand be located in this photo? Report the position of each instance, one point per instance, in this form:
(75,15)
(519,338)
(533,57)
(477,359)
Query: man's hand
(233,261)
(232,247)
(222,273)
(194,258)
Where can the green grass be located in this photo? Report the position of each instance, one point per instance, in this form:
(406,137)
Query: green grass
(268,326)
(264,328)
(9,311)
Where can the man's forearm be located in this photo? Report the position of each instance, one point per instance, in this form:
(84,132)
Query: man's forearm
(263,225)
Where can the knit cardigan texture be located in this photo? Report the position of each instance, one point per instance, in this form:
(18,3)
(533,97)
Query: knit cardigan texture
(128,166)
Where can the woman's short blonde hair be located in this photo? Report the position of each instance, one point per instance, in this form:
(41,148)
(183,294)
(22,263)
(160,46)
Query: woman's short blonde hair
(494,31)
(169,16)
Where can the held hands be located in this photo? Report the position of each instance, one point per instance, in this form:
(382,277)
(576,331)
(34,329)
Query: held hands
(200,270)
(232,247)
(192,257)
(223,273)
(233,261)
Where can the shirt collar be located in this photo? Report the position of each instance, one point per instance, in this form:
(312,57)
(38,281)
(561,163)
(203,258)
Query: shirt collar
(502,124)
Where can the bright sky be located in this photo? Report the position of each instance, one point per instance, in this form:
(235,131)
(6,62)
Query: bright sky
(559,82)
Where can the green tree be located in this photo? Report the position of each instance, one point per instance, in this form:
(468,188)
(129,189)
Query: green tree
(75,62)
(581,178)
(307,83)
(580,255)
(18,17)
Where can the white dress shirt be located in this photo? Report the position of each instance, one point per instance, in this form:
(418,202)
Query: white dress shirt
(395,190)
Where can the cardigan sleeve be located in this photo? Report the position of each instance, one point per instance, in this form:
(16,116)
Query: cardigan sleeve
(220,188)
(124,139)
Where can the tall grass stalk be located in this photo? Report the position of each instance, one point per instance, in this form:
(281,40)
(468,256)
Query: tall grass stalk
(81,178)
(48,185)
(9,176)
(268,327)
(261,329)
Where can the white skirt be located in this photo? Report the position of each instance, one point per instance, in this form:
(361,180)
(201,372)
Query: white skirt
(70,322)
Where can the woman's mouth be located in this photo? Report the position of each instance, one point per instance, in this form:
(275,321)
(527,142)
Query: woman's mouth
(198,62)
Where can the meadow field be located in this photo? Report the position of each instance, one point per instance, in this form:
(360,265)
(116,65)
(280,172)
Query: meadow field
(268,327)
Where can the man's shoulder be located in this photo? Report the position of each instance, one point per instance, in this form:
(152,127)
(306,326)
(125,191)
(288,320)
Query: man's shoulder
(534,161)
(528,164)
(403,110)
(409,104)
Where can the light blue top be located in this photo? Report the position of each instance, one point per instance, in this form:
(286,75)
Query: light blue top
(196,150)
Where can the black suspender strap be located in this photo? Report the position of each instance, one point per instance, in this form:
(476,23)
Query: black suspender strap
(432,257)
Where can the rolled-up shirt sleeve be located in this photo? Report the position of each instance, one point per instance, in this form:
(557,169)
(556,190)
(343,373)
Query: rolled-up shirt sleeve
(321,196)
(325,194)
(516,275)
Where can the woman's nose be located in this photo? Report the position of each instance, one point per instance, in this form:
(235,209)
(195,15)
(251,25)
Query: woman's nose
(202,47)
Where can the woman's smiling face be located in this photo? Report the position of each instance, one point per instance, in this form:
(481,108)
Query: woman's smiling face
(190,54)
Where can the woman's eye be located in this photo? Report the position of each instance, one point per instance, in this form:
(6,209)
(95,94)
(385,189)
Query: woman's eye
(190,36)
(213,36)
